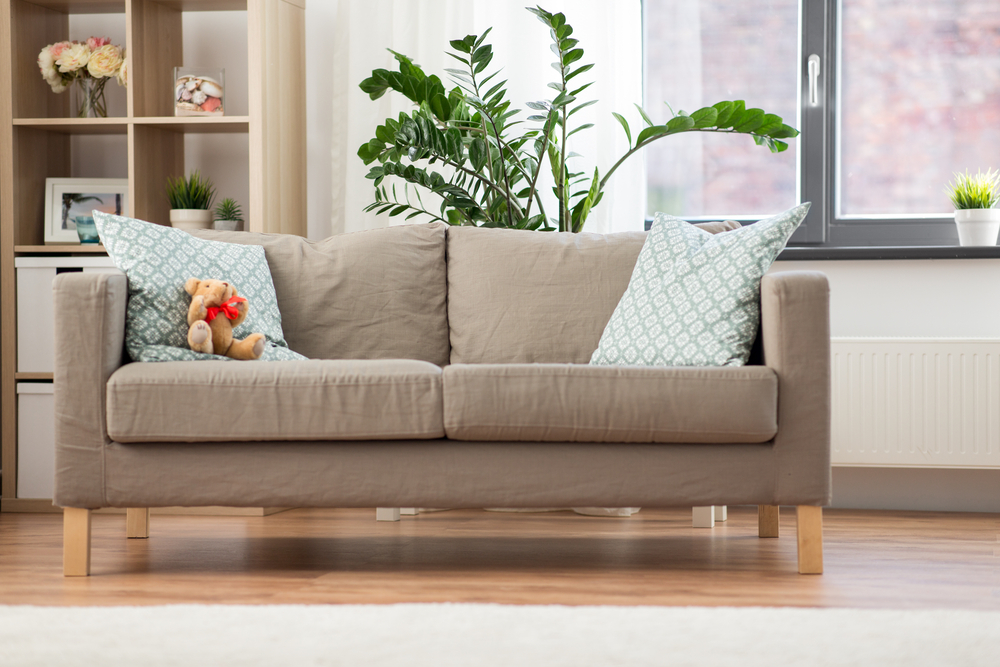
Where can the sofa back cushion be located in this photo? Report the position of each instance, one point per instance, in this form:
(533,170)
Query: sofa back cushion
(533,297)
(377,294)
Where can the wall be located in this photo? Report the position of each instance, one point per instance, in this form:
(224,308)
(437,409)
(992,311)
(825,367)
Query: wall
(100,156)
(213,39)
(321,56)
(955,298)
(210,39)
(346,40)
(913,298)
(917,298)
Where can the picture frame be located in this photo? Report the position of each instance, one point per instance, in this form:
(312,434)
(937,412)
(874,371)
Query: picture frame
(66,198)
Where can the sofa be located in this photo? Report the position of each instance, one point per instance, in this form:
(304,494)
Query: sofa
(448,367)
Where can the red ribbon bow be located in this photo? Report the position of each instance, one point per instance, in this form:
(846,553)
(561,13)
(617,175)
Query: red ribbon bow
(228,309)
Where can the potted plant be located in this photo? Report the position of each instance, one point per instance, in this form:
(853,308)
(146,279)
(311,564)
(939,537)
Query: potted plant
(190,201)
(492,161)
(974,198)
(228,215)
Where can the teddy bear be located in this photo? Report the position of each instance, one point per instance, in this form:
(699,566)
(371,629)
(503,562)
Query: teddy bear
(216,309)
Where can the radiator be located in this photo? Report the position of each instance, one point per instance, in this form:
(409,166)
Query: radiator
(910,402)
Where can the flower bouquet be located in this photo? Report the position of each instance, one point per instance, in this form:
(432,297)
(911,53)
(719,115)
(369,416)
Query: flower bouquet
(88,64)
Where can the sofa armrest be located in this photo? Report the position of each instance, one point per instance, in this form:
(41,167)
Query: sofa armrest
(89,347)
(795,325)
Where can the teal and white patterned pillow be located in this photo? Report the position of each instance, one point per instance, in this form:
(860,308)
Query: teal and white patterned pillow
(693,298)
(158,261)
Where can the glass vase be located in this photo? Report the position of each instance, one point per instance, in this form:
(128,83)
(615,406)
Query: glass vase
(88,98)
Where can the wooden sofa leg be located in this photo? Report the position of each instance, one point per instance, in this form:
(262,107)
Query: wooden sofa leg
(137,522)
(767,520)
(810,539)
(721,513)
(76,542)
(387,514)
(703,517)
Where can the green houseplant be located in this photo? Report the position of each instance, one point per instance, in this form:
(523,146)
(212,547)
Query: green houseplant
(190,201)
(975,198)
(464,145)
(228,215)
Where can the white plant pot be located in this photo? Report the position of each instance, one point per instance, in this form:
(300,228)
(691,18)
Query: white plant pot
(226,225)
(190,218)
(977,226)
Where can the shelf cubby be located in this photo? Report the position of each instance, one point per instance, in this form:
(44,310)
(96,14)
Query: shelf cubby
(37,132)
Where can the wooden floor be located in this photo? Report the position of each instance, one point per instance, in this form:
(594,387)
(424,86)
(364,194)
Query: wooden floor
(903,560)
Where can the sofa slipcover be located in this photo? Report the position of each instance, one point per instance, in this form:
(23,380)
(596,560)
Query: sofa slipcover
(377,294)
(612,404)
(520,297)
(219,401)
(524,297)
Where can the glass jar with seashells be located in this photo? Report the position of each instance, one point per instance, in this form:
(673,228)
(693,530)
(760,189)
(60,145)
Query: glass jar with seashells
(199,91)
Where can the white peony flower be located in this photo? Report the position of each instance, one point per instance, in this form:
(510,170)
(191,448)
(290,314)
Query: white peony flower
(123,73)
(73,58)
(105,61)
(46,62)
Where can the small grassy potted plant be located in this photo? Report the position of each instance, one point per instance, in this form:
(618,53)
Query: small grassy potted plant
(228,215)
(976,215)
(190,201)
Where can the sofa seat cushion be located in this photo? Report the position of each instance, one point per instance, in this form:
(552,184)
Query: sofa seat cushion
(626,404)
(285,400)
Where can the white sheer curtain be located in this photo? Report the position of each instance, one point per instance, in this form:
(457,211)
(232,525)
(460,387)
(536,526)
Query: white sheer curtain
(609,32)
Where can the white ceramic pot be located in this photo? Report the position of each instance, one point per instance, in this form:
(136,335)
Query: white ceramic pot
(977,226)
(226,225)
(190,218)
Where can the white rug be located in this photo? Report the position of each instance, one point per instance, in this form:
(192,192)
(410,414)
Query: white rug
(489,635)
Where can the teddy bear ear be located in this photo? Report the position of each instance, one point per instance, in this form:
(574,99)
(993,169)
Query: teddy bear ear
(191,286)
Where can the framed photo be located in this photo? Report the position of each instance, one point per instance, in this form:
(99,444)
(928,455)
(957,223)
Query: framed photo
(66,198)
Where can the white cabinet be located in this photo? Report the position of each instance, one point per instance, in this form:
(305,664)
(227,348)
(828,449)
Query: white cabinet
(35,309)
(36,354)
(36,440)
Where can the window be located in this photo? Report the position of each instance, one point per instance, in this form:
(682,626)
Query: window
(907,95)
(699,53)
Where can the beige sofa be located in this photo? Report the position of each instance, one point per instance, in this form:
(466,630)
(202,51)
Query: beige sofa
(448,369)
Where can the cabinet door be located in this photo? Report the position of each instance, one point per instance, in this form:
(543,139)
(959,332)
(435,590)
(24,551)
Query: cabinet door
(35,319)
(36,440)
(35,316)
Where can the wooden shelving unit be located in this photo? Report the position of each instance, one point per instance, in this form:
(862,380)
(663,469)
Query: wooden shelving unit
(36,128)
(67,249)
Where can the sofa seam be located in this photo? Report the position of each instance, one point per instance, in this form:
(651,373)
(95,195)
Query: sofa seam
(595,428)
(630,379)
(146,383)
(352,438)
(103,282)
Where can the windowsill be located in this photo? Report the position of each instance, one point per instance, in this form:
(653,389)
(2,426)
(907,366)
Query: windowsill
(807,254)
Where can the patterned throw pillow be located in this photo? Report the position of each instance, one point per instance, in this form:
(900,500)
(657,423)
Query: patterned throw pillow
(158,260)
(693,297)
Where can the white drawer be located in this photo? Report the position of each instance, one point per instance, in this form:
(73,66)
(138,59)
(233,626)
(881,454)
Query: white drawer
(36,440)
(35,316)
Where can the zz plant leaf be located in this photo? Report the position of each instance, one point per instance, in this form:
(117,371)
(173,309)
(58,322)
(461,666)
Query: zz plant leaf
(466,145)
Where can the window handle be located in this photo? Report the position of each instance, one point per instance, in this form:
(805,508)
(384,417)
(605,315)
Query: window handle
(813,67)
